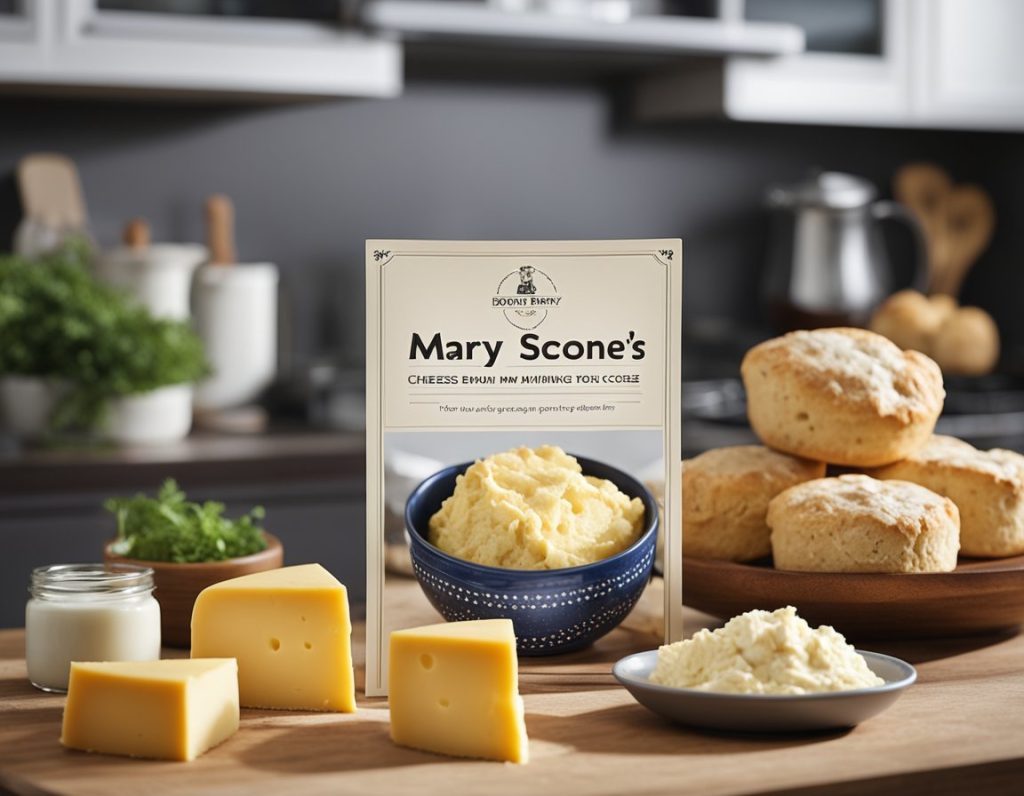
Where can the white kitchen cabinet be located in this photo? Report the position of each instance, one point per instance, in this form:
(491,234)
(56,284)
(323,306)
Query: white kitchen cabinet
(75,45)
(825,84)
(969,64)
(494,24)
(938,63)
(22,40)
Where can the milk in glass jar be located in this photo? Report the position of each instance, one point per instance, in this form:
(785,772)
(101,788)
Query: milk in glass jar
(88,612)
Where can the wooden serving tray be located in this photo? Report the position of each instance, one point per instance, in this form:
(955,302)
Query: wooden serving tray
(979,596)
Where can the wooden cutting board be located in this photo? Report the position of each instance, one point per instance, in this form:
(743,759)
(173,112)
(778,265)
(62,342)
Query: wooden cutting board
(959,729)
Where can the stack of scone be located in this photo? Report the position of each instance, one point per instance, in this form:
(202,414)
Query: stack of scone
(850,397)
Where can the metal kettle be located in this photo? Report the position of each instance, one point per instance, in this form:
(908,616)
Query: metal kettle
(827,264)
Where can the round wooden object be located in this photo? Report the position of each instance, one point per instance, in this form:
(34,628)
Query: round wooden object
(979,596)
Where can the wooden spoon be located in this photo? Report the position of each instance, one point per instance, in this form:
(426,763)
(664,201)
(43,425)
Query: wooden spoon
(925,189)
(220,229)
(51,191)
(970,221)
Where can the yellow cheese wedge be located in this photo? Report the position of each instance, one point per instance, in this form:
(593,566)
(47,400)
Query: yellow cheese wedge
(172,710)
(453,689)
(290,630)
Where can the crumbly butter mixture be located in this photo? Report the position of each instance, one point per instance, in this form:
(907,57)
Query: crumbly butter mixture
(762,652)
(534,509)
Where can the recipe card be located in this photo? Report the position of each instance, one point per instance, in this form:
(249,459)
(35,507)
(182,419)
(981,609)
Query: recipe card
(544,354)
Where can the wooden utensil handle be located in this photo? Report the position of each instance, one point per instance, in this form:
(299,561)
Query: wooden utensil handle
(220,229)
(136,234)
(970,220)
(51,191)
(924,188)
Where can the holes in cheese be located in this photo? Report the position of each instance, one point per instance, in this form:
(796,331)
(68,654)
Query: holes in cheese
(453,689)
(172,710)
(290,630)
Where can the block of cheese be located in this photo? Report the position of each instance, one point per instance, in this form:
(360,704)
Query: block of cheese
(453,688)
(172,710)
(290,630)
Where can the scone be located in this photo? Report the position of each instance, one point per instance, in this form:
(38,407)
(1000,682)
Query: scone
(909,319)
(943,306)
(842,396)
(987,487)
(967,344)
(855,523)
(725,498)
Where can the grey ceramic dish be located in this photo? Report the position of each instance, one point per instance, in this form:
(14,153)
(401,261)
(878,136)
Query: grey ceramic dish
(756,713)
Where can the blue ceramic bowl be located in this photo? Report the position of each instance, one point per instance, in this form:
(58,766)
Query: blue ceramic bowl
(553,610)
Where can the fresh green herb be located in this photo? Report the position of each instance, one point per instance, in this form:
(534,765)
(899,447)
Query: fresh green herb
(58,321)
(171,528)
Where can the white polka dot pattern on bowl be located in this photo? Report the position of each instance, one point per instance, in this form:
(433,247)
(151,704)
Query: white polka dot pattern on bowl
(460,603)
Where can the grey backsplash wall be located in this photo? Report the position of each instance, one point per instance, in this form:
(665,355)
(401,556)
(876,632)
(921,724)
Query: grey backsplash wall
(477,160)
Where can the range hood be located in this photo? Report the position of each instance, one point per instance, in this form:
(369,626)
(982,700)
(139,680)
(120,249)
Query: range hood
(483,23)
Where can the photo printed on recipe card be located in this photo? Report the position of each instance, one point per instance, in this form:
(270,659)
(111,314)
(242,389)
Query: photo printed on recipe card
(525,340)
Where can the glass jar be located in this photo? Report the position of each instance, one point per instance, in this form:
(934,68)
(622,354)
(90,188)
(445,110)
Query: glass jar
(88,612)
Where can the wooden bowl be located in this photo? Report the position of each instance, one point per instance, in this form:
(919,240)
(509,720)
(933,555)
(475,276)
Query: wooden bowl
(178,585)
(979,596)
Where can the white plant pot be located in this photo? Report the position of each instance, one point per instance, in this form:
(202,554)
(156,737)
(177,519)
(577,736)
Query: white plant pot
(159,276)
(236,316)
(26,403)
(152,418)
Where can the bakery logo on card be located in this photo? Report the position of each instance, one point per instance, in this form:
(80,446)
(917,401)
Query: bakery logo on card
(526,296)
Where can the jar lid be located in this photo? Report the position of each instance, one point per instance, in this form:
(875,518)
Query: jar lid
(70,580)
(829,189)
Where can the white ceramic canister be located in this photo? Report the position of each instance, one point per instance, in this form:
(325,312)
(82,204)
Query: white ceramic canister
(88,612)
(151,418)
(235,310)
(158,275)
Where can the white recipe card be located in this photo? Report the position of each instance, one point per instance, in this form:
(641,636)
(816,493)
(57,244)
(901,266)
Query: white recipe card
(475,347)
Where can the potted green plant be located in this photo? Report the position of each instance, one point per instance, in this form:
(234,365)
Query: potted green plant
(189,547)
(80,355)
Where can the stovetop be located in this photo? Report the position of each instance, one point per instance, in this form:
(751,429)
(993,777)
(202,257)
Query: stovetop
(988,412)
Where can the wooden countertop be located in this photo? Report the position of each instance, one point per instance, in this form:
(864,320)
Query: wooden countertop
(960,727)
